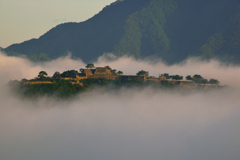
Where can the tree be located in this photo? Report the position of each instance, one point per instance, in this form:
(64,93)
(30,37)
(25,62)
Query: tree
(199,79)
(143,73)
(214,81)
(57,75)
(119,72)
(165,75)
(81,70)
(90,65)
(189,78)
(114,71)
(204,81)
(71,73)
(196,76)
(109,68)
(177,77)
(24,80)
(42,74)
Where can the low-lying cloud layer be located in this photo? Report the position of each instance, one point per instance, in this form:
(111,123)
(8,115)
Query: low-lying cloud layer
(18,68)
(128,124)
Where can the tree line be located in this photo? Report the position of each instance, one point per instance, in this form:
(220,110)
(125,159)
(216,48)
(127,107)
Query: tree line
(64,88)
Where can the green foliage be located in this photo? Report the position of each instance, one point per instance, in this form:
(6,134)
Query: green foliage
(199,79)
(119,72)
(85,40)
(1,49)
(235,31)
(12,53)
(170,29)
(130,44)
(225,42)
(81,70)
(42,75)
(128,83)
(114,71)
(166,84)
(144,30)
(197,76)
(177,77)
(56,75)
(143,73)
(189,78)
(42,57)
(109,68)
(90,65)
(165,75)
(70,73)
(212,45)
(90,82)
(62,89)
(214,81)
(204,81)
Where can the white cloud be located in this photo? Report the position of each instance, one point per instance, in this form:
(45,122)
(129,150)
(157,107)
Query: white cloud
(128,124)
(226,74)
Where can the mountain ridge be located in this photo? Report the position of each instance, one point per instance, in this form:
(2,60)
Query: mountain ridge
(170,29)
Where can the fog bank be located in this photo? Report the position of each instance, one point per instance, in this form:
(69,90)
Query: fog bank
(18,68)
(128,124)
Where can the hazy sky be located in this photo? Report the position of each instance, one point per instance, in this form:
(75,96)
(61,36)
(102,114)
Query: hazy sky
(22,20)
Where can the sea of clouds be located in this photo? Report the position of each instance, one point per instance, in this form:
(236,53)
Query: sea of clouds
(125,125)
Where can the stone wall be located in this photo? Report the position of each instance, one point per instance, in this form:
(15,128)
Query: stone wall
(37,82)
(131,78)
(107,76)
(102,70)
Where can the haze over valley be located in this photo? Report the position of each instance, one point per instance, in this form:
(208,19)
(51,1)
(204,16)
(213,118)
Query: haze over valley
(128,124)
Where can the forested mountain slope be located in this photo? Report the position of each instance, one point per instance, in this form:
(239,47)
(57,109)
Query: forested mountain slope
(170,29)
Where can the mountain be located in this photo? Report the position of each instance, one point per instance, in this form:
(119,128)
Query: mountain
(170,29)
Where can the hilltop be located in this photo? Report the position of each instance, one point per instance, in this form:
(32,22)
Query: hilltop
(170,29)
(71,82)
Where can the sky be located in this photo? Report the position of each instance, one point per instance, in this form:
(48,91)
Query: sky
(21,20)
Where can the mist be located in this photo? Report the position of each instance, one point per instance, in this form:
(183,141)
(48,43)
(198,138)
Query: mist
(128,124)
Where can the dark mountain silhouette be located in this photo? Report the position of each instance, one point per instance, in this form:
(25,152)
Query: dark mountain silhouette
(171,29)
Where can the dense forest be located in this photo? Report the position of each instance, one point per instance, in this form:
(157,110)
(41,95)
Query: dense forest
(170,29)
